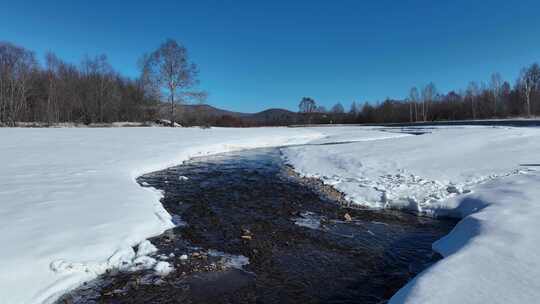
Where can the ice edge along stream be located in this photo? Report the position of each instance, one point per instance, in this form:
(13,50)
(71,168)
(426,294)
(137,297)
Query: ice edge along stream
(334,254)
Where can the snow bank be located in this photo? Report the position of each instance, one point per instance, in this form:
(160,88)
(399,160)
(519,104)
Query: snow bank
(418,172)
(486,176)
(70,206)
(491,256)
(333,135)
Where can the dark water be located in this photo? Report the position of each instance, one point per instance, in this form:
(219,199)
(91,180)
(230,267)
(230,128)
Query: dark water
(300,247)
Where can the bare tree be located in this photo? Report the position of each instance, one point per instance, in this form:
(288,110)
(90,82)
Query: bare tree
(169,69)
(495,85)
(471,95)
(98,76)
(529,82)
(428,95)
(414,97)
(52,67)
(355,109)
(307,105)
(16,68)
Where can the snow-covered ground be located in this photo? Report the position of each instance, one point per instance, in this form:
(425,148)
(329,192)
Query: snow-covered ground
(418,172)
(485,175)
(69,204)
(70,207)
(492,255)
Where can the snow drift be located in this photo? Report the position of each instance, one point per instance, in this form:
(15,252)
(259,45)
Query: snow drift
(418,172)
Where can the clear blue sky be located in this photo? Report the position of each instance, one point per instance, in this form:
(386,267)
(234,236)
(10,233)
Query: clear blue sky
(259,54)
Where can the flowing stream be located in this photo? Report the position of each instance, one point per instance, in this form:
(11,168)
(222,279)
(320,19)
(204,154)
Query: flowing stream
(249,231)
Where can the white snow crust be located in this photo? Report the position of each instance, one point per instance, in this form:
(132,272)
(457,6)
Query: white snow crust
(491,256)
(418,172)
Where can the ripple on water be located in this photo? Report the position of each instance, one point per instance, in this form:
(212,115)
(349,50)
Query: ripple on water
(274,239)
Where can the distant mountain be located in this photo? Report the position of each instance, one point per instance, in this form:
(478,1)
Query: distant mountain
(273,117)
(213,111)
(203,114)
(207,110)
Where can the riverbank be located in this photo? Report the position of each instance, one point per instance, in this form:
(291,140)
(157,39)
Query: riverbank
(485,176)
(250,231)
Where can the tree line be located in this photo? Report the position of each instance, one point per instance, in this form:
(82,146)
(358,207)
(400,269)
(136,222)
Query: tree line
(495,99)
(91,91)
(62,92)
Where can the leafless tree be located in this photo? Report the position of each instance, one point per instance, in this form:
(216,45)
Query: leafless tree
(16,68)
(52,69)
(414,97)
(307,105)
(496,86)
(471,96)
(529,81)
(169,69)
(428,95)
(98,76)
(354,108)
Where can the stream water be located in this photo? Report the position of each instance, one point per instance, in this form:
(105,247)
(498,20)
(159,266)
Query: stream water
(249,232)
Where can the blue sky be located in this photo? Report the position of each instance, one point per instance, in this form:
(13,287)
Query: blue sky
(260,54)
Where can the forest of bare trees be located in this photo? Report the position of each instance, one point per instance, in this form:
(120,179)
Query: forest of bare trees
(495,99)
(57,91)
(54,91)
